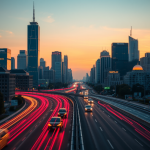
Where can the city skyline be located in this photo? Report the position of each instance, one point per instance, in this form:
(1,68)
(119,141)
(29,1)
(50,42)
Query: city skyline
(79,32)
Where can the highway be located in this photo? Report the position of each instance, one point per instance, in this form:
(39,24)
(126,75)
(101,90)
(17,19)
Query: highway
(30,131)
(103,130)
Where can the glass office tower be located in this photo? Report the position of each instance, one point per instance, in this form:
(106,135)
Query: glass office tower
(120,57)
(33,39)
(5,58)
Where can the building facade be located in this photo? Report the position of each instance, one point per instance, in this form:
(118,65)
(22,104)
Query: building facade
(138,75)
(112,79)
(133,49)
(145,62)
(12,63)
(66,68)
(57,65)
(22,60)
(58,72)
(23,80)
(105,64)
(7,84)
(120,57)
(5,58)
(41,72)
(33,39)
(70,77)
(97,71)
(56,57)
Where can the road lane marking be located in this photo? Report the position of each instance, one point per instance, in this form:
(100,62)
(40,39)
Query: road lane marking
(110,144)
(138,142)
(101,129)
(123,129)
(95,120)
(23,139)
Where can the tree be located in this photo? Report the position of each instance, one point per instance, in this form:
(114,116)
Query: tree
(138,88)
(2,109)
(122,90)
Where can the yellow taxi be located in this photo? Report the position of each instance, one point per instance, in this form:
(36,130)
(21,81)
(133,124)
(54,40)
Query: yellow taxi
(4,136)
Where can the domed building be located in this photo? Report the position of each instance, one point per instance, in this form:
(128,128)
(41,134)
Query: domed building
(137,68)
(137,75)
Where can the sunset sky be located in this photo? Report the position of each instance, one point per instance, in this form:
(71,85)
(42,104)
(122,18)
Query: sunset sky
(80,29)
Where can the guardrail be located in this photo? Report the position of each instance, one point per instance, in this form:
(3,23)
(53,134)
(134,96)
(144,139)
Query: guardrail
(130,104)
(141,121)
(76,137)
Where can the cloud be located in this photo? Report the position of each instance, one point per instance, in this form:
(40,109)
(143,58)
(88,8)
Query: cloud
(7,31)
(49,19)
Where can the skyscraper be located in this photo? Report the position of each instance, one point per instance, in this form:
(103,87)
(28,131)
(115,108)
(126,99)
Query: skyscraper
(105,64)
(63,72)
(5,58)
(66,68)
(22,60)
(43,63)
(119,57)
(57,65)
(97,71)
(145,62)
(12,63)
(33,39)
(70,77)
(133,48)
(56,57)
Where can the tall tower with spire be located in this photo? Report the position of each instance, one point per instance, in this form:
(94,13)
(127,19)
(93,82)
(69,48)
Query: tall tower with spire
(33,48)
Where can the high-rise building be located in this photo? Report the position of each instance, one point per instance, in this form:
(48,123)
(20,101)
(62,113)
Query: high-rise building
(92,75)
(22,60)
(5,58)
(58,72)
(56,57)
(33,49)
(70,77)
(63,72)
(133,49)
(97,71)
(57,65)
(105,64)
(43,63)
(66,68)
(120,57)
(87,78)
(12,63)
(40,72)
(145,62)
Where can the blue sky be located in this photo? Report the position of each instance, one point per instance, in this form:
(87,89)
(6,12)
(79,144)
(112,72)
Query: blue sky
(67,22)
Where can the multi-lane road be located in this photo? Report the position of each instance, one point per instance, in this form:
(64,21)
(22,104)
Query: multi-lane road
(103,128)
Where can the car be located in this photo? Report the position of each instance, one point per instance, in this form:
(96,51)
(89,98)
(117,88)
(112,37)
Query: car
(4,136)
(62,112)
(90,100)
(88,108)
(55,122)
(85,96)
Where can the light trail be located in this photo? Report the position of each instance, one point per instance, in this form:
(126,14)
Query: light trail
(16,119)
(39,141)
(20,127)
(52,139)
(137,127)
